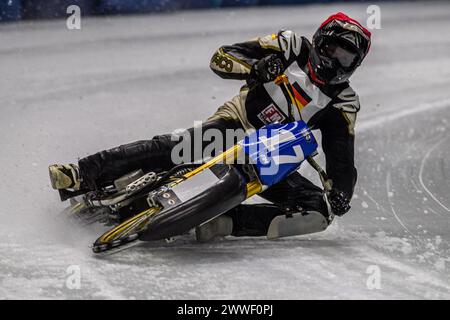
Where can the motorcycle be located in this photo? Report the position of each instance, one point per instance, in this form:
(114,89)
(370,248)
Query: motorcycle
(150,206)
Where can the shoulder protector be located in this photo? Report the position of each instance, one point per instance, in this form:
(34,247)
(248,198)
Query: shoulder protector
(347,101)
(290,44)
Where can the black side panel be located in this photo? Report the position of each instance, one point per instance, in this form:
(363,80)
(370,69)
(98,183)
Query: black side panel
(229,191)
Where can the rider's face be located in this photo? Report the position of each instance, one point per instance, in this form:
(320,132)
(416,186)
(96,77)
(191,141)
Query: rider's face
(342,55)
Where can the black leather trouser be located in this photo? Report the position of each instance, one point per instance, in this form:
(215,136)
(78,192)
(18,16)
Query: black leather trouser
(155,155)
(104,167)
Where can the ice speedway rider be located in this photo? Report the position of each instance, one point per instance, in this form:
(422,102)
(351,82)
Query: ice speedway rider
(319,72)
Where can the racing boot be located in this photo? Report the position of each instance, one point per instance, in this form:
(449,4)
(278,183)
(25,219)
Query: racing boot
(65,176)
(218,227)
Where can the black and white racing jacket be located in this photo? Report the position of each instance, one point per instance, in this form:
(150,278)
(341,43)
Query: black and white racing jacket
(331,109)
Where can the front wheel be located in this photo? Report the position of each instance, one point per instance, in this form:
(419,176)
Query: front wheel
(125,233)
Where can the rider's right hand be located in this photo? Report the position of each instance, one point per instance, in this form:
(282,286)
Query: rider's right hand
(339,202)
(267,69)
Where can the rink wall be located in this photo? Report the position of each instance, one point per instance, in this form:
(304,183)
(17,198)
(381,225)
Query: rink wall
(12,10)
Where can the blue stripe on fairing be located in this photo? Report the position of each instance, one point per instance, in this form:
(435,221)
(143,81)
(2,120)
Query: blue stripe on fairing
(263,146)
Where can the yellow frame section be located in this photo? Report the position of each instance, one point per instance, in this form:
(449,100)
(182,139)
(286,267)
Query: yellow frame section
(108,236)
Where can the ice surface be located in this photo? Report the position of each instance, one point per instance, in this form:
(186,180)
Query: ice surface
(66,94)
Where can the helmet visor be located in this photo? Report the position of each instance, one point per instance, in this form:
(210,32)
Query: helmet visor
(340,52)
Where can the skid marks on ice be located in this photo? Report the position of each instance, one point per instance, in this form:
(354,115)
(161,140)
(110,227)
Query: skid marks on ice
(390,194)
(421,173)
(400,178)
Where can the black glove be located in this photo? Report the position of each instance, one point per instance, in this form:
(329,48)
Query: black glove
(339,202)
(267,69)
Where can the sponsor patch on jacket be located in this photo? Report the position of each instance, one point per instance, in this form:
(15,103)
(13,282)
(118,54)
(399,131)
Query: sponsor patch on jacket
(271,114)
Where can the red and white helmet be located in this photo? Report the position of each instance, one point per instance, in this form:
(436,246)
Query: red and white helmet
(338,48)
